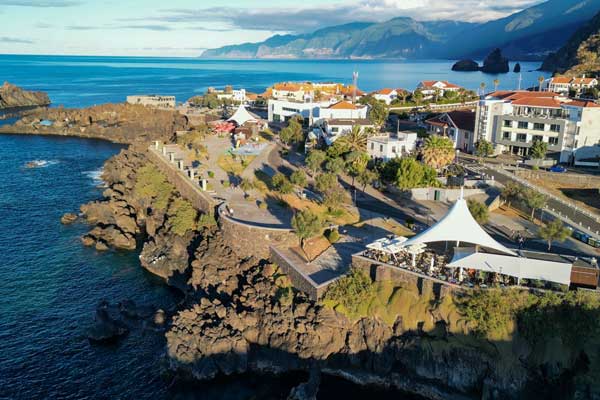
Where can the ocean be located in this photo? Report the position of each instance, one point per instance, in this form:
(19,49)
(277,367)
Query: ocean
(51,284)
(85,81)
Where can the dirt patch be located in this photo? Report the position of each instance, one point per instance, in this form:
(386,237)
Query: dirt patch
(589,197)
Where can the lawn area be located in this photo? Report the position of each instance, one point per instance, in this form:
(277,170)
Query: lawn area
(234,165)
(339,217)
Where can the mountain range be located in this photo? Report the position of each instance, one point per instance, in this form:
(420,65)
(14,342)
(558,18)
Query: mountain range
(529,34)
(581,54)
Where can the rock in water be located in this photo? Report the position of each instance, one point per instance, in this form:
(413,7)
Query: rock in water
(495,63)
(68,218)
(517,68)
(106,329)
(466,66)
(13,96)
(160,317)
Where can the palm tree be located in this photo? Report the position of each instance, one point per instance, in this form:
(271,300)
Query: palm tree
(482,88)
(355,140)
(541,80)
(496,83)
(438,151)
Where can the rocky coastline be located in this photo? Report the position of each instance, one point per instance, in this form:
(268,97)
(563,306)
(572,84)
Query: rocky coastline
(241,315)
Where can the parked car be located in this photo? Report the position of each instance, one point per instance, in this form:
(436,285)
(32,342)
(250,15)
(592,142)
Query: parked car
(558,168)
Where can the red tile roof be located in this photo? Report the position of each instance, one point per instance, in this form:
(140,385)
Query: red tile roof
(429,84)
(582,103)
(561,79)
(583,81)
(384,91)
(511,95)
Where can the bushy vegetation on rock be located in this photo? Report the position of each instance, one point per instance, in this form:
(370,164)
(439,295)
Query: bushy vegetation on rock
(151,184)
(182,216)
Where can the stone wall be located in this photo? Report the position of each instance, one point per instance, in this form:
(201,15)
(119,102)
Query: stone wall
(384,272)
(299,280)
(249,240)
(199,199)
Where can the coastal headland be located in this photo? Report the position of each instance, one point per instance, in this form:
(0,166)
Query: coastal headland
(243,314)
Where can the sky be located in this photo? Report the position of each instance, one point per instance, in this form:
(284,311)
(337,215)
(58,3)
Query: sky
(184,28)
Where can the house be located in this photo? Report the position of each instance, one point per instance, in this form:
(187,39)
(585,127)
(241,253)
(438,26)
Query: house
(431,89)
(514,120)
(564,85)
(386,95)
(583,83)
(291,91)
(391,146)
(329,130)
(153,100)
(457,125)
(343,110)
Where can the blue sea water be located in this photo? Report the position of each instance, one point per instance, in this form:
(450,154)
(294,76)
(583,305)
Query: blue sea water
(50,284)
(83,81)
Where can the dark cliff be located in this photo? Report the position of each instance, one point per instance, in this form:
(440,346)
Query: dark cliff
(12,96)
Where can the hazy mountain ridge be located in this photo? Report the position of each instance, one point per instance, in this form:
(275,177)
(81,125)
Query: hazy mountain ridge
(581,54)
(530,34)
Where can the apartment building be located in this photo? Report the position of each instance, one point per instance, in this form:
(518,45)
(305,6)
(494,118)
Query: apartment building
(564,84)
(391,146)
(513,121)
(457,125)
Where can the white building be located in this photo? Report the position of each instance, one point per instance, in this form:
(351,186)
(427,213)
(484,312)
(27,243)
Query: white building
(514,120)
(458,125)
(153,100)
(386,95)
(563,84)
(388,147)
(332,129)
(343,110)
(430,88)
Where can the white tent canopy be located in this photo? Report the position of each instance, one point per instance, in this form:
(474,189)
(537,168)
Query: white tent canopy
(241,116)
(389,246)
(458,225)
(518,267)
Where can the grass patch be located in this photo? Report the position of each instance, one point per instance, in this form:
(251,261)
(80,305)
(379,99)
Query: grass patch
(233,164)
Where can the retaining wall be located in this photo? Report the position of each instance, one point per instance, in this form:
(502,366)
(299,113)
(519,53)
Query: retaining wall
(199,199)
(566,179)
(299,279)
(384,272)
(248,240)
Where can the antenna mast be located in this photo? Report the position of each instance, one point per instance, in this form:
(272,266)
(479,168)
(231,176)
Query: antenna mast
(354,84)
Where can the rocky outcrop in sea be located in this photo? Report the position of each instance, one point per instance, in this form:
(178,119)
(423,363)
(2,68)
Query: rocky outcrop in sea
(495,63)
(12,96)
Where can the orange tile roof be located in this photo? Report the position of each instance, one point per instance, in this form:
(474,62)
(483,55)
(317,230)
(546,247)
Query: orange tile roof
(384,91)
(537,102)
(561,79)
(583,81)
(287,86)
(447,84)
(343,105)
(520,94)
(582,103)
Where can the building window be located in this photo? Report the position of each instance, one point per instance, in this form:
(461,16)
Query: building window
(393,149)
(381,148)
(553,141)
(276,118)
(335,130)
(538,138)
(506,135)
(555,128)
(523,125)
(521,137)
(372,146)
(466,135)
(508,124)
(538,126)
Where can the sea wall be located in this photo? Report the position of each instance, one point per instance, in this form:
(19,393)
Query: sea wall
(247,239)
(199,199)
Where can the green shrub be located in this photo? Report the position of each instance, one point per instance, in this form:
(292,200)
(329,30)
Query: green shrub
(282,184)
(351,291)
(182,216)
(152,185)
(263,205)
(206,221)
(211,174)
(332,235)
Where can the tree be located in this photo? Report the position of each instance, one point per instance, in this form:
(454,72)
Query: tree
(292,133)
(403,94)
(324,182)
(479,211)
(539,150)
(409,174)
(482,88)
(246,185)
(483,148)
(355,140)
(554,230)
(511,192)
(378,113)
(298,178)
(417,97)
(306,224)
(315,160)
(366,178)
(281,183)
(496,83)
(335,165)
(534,200)
(541,80)
(182,216)
(438,151)
(334,197)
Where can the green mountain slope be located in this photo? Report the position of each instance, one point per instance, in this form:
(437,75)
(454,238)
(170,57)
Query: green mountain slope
(530,34)
(581,54)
